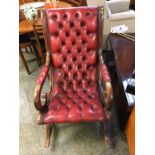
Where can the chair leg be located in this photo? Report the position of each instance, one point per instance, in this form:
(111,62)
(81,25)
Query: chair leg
(36,54)
(48,135)
(108,133)
(40,52)
(26,50)
(24,61)
(31,49)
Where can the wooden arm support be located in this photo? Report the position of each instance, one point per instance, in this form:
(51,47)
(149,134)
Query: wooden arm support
(39,84)
(105,78)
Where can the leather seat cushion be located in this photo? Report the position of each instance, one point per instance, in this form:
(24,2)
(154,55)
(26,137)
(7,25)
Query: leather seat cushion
(74,106)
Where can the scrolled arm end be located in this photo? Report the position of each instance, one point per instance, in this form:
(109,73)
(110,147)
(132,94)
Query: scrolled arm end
(39,84)
(37,102)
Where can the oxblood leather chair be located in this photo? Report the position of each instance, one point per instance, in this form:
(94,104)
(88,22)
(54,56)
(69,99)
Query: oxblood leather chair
(80,89)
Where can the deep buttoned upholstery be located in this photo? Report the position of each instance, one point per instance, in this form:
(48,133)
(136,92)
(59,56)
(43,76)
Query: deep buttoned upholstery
(74,44)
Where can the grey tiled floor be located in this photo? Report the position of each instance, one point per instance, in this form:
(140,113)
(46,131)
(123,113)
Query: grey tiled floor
(67,139)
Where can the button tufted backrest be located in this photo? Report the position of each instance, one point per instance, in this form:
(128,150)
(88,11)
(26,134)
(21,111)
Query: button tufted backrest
(73,42)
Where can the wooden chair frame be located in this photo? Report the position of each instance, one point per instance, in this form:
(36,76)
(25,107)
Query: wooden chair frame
(106,94)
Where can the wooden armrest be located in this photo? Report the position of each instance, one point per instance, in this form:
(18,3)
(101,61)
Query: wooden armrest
(108,88)
(39,84)
(106,81)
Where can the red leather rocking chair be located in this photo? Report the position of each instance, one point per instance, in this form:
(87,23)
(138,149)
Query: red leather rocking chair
(80,86)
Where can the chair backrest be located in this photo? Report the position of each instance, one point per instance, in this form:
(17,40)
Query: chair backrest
(76,2)
(38,33)
(73,36)
(117,10)
(118,6)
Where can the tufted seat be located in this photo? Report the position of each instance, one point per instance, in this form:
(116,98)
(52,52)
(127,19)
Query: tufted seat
(72,44)
(74,106)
